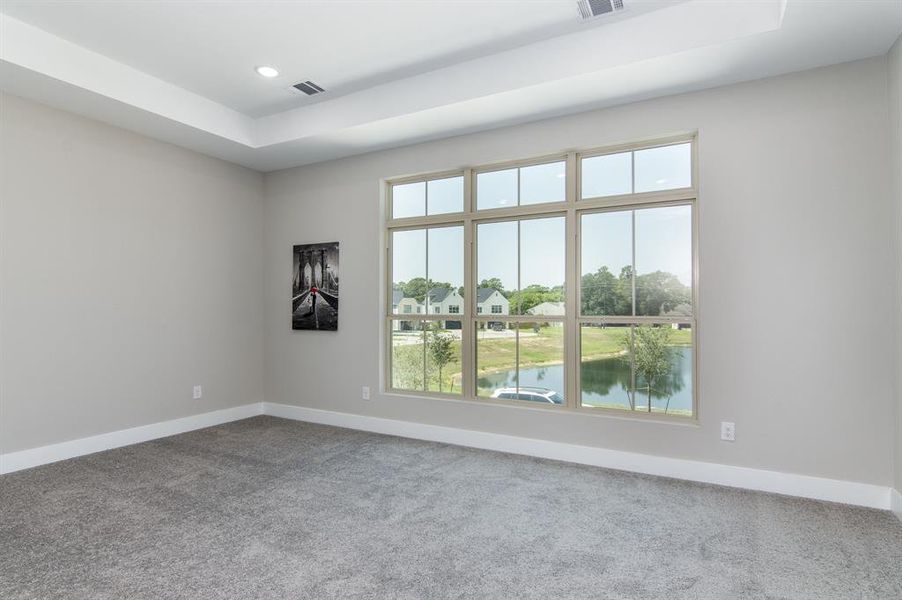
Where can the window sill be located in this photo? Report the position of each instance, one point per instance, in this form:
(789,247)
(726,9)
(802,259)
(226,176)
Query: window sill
(605,413)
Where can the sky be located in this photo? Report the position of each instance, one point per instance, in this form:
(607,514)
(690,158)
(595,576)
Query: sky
(663,236)
(537,184)
(445,251)
(663,241)
(541,249)
(444,196)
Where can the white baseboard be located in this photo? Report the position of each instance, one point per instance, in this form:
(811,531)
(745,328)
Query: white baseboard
(896,502)
(25,459)
(847,492)
(818,488)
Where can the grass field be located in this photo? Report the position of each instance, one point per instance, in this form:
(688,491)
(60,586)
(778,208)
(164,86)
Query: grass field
(494,353)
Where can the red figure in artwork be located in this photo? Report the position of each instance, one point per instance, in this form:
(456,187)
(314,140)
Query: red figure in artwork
(313,292)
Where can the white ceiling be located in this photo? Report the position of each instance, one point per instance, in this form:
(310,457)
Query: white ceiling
(210,48)
(401,71)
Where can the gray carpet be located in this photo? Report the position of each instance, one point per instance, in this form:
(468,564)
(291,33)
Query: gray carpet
(270,508)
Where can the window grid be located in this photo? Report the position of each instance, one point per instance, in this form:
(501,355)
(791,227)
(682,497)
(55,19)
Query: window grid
(632,150)
(423,309)
(572,322)
(425,180)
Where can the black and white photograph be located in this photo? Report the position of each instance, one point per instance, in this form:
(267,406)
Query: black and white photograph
(314,297)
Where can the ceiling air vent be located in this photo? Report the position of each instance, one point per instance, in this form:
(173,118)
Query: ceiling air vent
(308,87)
(589,9)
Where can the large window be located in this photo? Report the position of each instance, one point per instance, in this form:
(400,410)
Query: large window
(636,309)
(566,283)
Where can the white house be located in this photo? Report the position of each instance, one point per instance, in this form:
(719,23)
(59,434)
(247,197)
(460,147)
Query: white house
(402,305)
(444,301)
(490,301)
(441,301)
(550,309)
(409,306)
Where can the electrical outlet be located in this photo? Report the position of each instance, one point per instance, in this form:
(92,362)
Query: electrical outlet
(728,431)
(198,391)
(365,392)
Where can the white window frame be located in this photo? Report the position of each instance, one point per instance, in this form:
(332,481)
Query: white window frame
(572,209)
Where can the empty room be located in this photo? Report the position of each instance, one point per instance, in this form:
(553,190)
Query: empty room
(471,299)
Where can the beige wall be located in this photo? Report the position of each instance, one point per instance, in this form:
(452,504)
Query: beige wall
(130,271)
(894,69)
(796,249)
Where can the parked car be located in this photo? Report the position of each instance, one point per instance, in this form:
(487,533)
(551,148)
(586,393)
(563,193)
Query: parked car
(541,395)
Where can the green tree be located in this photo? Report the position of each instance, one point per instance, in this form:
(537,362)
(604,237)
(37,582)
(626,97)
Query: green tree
(493,283)
(534,295)
(599,293)
(657,293)
(624,291)
(440,352)
(418,286)
(651,357)
(407,367)
(660,292)
(415,288)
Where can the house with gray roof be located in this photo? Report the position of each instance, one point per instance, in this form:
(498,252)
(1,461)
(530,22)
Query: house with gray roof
(490,301)
(447,301)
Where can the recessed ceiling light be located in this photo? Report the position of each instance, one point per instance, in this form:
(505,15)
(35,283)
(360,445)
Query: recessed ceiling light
(265,71)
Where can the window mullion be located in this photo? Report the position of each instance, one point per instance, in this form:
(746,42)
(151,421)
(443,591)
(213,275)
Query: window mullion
(389,308)
(633,274)
(572,350)
(467,334)
(572,182)
(633,367)
(519,295)
(468,327)
(517,358)
(423,333)
(633,172)
(519,268)
(518,186)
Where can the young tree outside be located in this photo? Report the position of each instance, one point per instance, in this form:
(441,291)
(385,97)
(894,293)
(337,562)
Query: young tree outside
(440,352)
(651,356)
(407,367)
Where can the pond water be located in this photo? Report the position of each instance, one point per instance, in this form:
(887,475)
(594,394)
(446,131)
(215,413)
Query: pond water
(606,382)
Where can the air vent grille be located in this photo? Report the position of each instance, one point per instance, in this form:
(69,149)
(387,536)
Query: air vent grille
(589,9)
(308,87)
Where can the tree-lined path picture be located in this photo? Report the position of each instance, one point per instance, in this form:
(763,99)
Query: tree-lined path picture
(314,298)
